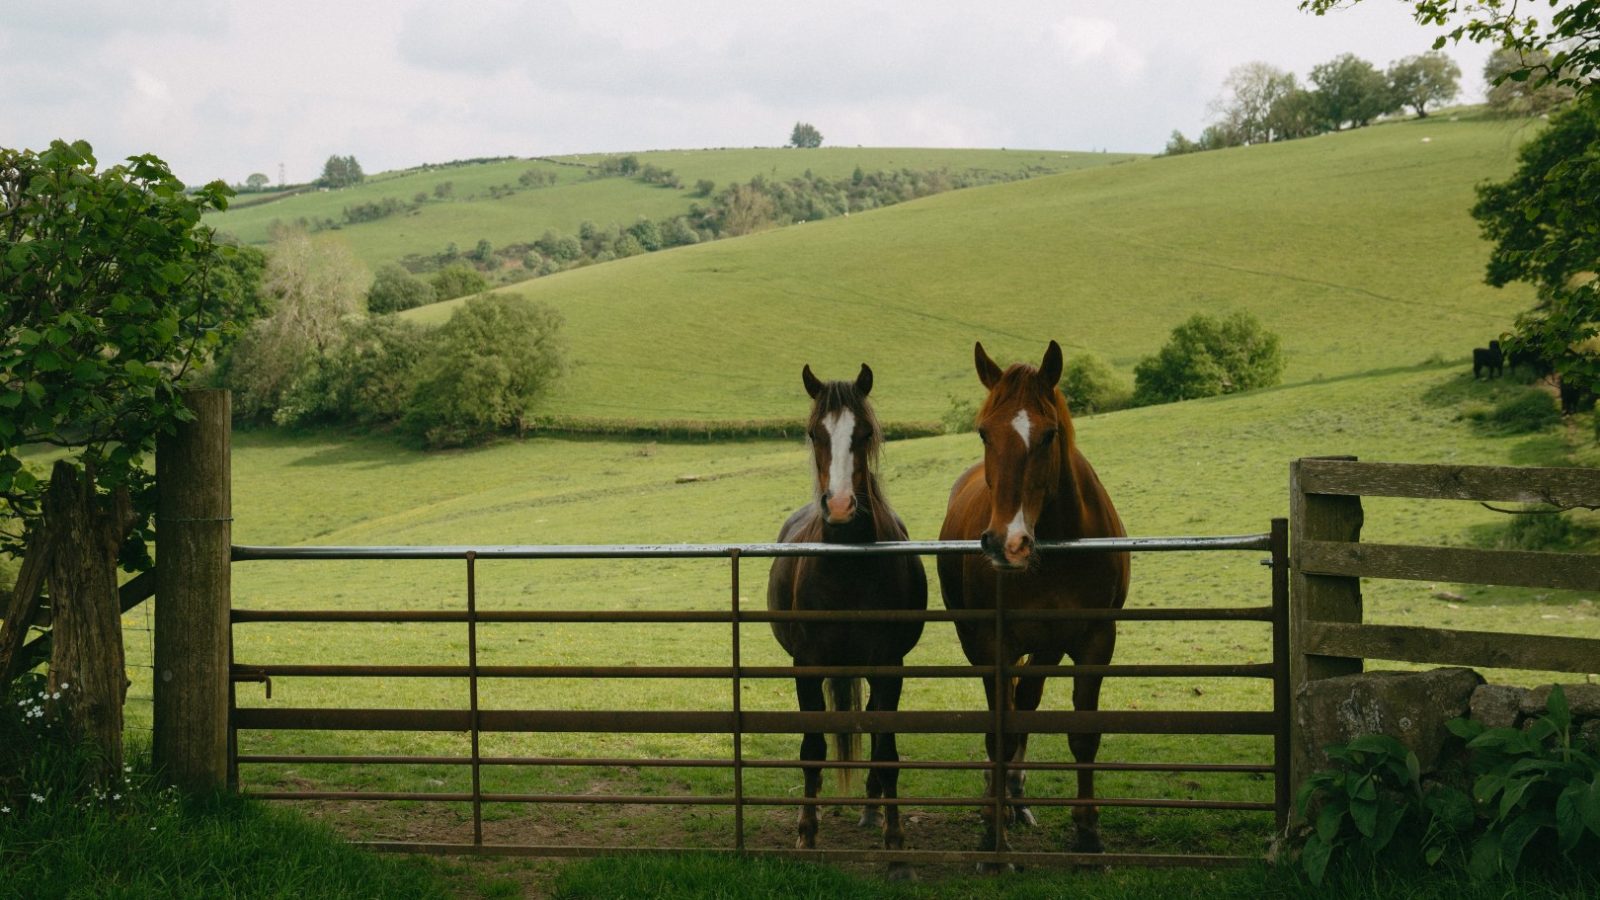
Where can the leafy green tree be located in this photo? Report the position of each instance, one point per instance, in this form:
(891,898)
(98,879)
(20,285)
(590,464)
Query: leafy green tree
(1294,115)
(367,380)
(1527,96)
(705,187)
(1092,386)
(483,252)
(1249,94)
(311,286)
(257,181)
(394,289)
(109,307)
(805,135)
(1544,222)
(341,171)
(1417,81)
(1207,356)
(1351,90)
(1177,145)
(457,280)
(493,360)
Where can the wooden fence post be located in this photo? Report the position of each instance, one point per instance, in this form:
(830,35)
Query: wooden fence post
(1325,598)
(194,530)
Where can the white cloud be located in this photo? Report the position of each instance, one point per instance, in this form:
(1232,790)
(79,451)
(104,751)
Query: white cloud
(1096,41)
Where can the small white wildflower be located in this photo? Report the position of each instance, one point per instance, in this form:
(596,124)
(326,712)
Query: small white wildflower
(152,828)
(64,686)
(56,696)
(5,809)
(37,798)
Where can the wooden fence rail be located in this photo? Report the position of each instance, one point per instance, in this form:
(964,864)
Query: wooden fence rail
(1328,561)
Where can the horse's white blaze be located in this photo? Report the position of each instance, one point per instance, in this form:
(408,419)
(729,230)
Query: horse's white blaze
(841,426)
(1023,425)
(1016,528)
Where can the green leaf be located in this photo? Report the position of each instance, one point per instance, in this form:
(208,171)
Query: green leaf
(1485,859)
(1364,812)
(1314,858)
(1466,729)
(1413,768)
(1589,805)
(1518,834)
(1560,713)
(1515,788)
(1389,817)
(1569,816)
(1433,854)
(24,480)
(1452,807)
(1329,820)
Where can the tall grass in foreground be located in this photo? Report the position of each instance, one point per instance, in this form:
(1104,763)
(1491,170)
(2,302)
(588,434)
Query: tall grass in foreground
(62,835)
(726,878)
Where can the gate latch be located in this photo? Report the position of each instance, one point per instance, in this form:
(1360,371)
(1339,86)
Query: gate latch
(260,677)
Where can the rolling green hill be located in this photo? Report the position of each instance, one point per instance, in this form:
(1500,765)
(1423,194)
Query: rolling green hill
(526,213)
(1356,248)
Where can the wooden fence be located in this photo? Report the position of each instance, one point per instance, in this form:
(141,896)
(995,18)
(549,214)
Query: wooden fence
(1328,561)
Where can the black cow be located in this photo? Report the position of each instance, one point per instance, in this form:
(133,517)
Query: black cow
(1575,398)
(1490,359)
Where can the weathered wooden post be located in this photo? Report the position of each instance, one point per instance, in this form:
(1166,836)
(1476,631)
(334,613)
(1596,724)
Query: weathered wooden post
(1317,598)
(194,529)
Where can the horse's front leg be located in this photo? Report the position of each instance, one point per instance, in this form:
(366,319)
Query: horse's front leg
(884,782)
(812,749)
(999,746)
(1095,651)
(1029,692)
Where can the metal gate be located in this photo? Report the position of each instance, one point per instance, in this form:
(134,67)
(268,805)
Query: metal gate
(737,723)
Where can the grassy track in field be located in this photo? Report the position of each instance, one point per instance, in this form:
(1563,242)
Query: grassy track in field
(1204,467)
(524,216)
(1357,249)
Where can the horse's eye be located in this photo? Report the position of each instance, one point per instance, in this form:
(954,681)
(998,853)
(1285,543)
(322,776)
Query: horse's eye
(1049,437)
(983,436)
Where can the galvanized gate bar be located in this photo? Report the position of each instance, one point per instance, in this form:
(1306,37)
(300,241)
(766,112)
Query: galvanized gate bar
(708,551)
(612,762)
(716,617)
(760,722)
(1176,670)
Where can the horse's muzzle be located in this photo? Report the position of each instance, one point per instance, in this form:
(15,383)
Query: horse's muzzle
(838,508)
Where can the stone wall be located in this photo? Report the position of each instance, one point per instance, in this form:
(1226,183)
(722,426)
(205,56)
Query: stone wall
(1413,707)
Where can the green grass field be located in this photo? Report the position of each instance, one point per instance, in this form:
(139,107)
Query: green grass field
(524,216)
(1226,474)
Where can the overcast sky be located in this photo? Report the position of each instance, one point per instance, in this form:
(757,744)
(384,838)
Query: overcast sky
(224,89)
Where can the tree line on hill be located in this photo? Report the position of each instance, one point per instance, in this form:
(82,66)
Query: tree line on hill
(1261,103)
(737,209)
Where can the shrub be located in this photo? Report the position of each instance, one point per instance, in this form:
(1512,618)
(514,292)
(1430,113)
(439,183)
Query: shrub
(960,417)
(395,289)
(1524,412)
(1207,356)
(1091,385)
(366,381)
(493,359)
(458,280)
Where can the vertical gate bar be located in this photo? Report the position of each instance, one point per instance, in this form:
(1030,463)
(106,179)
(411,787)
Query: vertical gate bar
(1281,700)
(738,717)
(999,761)
(472,682)
(233,730)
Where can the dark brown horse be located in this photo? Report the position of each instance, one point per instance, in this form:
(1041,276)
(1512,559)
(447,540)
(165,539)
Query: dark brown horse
(1033,484)
(848,508)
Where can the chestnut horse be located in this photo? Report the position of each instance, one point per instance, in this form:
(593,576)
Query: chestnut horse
(1033,484)
(848,508)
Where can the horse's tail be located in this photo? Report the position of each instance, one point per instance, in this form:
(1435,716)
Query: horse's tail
(844,694)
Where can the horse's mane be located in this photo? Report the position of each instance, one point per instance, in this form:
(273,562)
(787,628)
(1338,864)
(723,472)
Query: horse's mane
(1018,387)
(837,395)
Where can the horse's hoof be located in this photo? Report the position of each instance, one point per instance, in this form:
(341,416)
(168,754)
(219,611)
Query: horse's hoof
(1023,817)
(902,872)
(871,817)
(804,843)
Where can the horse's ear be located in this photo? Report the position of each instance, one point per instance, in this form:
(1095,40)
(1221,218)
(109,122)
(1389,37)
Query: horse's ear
(864,380)
(988,372)
(1050,369)
(813,386)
